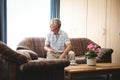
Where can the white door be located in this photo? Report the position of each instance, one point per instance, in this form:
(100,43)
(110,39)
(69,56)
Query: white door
(96,21)
(113,28)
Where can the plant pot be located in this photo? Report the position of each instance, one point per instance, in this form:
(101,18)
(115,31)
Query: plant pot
(91,61)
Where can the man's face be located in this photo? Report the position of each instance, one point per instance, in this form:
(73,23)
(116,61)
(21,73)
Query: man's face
(53,27)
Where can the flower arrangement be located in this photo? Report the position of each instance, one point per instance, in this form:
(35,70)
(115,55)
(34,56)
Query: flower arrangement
(92,51)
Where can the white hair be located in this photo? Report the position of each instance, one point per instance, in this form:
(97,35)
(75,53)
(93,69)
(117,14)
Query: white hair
(56,21)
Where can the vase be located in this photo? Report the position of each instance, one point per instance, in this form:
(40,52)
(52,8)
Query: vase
(91,61)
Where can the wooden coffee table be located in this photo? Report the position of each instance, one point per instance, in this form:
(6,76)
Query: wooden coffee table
(83,70)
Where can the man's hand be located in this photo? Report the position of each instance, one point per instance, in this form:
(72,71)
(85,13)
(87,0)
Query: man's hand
(50,51)
(63,56)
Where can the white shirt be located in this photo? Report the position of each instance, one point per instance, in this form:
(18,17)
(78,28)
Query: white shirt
(57,42)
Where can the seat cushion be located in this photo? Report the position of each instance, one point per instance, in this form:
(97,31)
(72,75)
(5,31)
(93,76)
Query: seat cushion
(80,59)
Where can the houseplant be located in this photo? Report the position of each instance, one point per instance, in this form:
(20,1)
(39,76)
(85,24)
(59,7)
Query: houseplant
(91,54)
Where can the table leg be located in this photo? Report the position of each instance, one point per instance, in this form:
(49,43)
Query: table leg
(69,77)
(116,76)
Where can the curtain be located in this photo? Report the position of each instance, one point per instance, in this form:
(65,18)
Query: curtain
(3,32)
(55,9)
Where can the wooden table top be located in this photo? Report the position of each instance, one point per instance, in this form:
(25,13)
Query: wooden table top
(86,68)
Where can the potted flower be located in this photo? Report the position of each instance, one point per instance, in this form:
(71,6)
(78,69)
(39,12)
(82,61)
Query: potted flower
(91,54)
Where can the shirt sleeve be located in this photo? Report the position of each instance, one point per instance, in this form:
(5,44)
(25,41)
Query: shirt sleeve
(67,39)
(47,40)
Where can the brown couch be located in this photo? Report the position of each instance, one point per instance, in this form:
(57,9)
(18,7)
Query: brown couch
(79,47)
(25,65)
(28,61)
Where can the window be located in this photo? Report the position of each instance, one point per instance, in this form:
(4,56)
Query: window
(27,18)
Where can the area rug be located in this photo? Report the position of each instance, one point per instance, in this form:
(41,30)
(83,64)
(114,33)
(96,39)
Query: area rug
(92,78)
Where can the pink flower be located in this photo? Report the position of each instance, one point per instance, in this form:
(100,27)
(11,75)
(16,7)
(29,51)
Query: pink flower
(91,47)
(92,50)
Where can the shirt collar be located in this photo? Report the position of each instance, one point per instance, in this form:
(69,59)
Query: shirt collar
(58,32)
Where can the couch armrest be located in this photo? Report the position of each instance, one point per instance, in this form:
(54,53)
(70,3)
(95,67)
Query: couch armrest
(105,54)
(10,55)
(36,65)
(8,70)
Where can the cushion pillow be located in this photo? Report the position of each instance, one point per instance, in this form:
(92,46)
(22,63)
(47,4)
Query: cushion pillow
(104,51)
(8,54)
(26,54)
(31,55)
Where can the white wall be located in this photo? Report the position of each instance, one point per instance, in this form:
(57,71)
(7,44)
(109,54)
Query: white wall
(98,20)
(84,18)
(73,17)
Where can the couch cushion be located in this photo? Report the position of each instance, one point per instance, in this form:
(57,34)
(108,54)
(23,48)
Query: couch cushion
(11,55)
(35,44)
(26,54)
(80,45)
(77,46)
(103,52)
(80,59)
(43,64)
(31,55)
